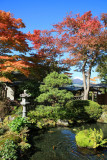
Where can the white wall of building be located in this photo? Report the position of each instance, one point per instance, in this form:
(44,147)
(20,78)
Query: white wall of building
(10,92)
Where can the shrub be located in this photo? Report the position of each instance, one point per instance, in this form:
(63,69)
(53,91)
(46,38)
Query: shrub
(90,138)
(24,146)
(74,109)
(9,150)
(83,110)
(2,131)
(17,110)
(46,115)
(41,112)
(94,110)
(17,124)
(11,136)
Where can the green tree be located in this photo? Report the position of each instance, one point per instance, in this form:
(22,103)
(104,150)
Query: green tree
(51,95)
(102,69)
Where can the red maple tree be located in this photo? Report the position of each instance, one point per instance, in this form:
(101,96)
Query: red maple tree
(85,39)
(46,55)
(11,39)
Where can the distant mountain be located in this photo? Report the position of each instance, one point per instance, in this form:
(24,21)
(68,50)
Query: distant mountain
(77,81)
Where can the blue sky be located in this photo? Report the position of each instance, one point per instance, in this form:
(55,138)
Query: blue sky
(42,14)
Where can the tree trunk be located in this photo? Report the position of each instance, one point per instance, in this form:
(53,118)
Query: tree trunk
(86,88)
(86,92)
(86,82)
(86,78)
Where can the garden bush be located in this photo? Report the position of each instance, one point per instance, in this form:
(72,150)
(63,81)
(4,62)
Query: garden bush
(44,112)
(24,146)
(17,111)
(83,110)
(94,110)
(2,131)
(18,124)
(90,138)
(9,150)
(11,136)
(20,139)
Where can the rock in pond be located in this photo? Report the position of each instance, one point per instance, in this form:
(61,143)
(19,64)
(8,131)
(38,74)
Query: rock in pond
(62,123)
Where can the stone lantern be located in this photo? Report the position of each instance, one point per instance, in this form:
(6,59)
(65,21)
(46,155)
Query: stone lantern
(24,102)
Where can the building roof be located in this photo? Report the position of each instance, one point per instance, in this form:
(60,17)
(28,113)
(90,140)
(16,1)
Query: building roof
(100,85)
(77,87)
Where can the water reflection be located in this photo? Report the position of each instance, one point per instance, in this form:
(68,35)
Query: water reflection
(59,144)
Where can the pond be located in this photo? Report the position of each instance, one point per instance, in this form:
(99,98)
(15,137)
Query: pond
(59,144)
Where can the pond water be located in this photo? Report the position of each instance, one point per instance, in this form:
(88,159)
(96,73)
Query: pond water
(59,144)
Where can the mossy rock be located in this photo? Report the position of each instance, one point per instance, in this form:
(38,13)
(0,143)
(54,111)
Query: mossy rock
(63,123)
(90,138)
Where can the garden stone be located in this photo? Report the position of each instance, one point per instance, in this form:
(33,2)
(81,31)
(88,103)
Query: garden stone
(103,118)
(62,123)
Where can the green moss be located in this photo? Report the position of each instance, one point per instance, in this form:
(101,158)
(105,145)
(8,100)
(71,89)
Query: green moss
(90,138)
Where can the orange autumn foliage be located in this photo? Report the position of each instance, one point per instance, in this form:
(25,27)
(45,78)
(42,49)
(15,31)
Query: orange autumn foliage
(94,79)
(12,39)
(4,79)
(44,43)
